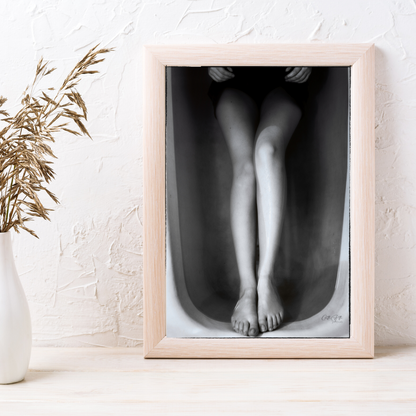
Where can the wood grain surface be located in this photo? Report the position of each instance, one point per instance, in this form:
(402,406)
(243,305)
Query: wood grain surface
(154,284)
(259,55)
(118,381)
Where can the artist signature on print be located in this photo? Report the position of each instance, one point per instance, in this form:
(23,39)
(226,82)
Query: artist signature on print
(335,319)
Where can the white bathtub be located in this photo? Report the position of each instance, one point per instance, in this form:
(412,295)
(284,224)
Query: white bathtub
(185,294)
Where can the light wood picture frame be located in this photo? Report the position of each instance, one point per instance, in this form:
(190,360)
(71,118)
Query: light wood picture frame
(360,57)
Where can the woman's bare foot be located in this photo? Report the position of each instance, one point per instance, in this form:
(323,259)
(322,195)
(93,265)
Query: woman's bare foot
(269,306)
(244,319)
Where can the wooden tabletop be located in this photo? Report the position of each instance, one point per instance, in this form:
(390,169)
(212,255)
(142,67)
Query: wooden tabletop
(118,381)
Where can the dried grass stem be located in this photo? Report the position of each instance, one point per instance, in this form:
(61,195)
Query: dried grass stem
(25,167)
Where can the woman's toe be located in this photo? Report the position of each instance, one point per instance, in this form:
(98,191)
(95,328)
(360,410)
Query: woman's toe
(275,322)
(270,322)
(254,330)
(245,328)
(263,325)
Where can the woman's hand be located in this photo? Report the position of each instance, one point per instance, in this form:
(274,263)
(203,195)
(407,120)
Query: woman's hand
(220,74)
(298,74)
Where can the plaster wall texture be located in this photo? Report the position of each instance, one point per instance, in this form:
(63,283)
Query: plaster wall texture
(83,277)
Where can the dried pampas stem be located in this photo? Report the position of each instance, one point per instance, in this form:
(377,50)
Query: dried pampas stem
(25,165)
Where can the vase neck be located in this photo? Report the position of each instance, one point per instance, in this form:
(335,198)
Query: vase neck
(6,251)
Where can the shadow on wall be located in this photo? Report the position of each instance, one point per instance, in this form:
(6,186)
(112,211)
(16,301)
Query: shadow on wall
(316,164)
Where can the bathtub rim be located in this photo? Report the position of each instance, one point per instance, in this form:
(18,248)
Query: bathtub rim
(360,57)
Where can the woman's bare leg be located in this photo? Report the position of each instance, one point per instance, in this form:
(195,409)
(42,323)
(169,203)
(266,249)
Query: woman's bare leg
(278,120)
(237,115)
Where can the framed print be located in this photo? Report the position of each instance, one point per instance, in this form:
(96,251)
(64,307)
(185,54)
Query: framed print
(259,201)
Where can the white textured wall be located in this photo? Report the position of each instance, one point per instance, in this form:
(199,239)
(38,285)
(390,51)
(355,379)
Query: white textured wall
(83,278)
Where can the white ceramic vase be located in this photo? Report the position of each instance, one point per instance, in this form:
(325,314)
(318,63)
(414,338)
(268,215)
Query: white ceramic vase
(15,325)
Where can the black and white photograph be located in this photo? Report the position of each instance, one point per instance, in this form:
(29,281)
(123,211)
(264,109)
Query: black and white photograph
(257,202)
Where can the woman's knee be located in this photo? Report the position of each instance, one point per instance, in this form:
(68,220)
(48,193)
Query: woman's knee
(269,149)
(244,173)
